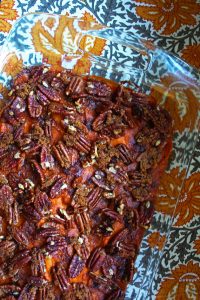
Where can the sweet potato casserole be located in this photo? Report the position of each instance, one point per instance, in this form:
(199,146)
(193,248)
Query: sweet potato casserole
(80,163)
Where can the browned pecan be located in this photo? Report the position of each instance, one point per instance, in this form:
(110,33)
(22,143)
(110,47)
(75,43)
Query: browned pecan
(56,243)
(103,283)
(96,259)
(38,263)
(58,187)
(47,160)
(19,260)
(19,236)
(48,232)
(34,108)
(50,93)
(8,290)
(123,244)
(30,212)
(13,214)
(48,128)
(76,266)
(109,267)
(7,248)
(76,86)
(18,106)
(66,110)
(112,214)
(79,141)
(6,196)
(66,156)
(60,277)
(82,247)
(41,202)
(41,98)
(125,154)
(98,88)
(94,197)
(57,83)
(45,292)
(82,220)
(99,122)
(38,169)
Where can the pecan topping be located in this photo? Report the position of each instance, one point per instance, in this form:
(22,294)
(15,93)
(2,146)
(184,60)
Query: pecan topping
(80,163)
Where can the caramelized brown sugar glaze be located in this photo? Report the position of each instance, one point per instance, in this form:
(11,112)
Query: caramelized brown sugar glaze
(80,163)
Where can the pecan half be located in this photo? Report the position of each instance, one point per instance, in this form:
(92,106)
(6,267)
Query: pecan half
(82,220)
(50,93)
(98,88)
(66,156)
(94,197)
(34,108)
(38,263)
(41,202)
(96,259)
(76,266)
(60,277)
(47,161)
(76,86)
(58,187)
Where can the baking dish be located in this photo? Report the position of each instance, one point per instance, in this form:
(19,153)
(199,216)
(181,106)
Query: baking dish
(89,48)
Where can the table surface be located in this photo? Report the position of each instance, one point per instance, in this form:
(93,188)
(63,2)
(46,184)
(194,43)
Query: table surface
(175,26)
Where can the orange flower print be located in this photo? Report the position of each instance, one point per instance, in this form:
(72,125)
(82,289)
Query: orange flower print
(183,284)
(177,96)
(168,15)
(7,13)
(156,240)
(189,204)
(169,190)
(191,54)
(13,65)
(62,45)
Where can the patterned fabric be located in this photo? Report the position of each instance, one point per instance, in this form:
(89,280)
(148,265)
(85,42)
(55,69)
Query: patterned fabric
(173,25)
